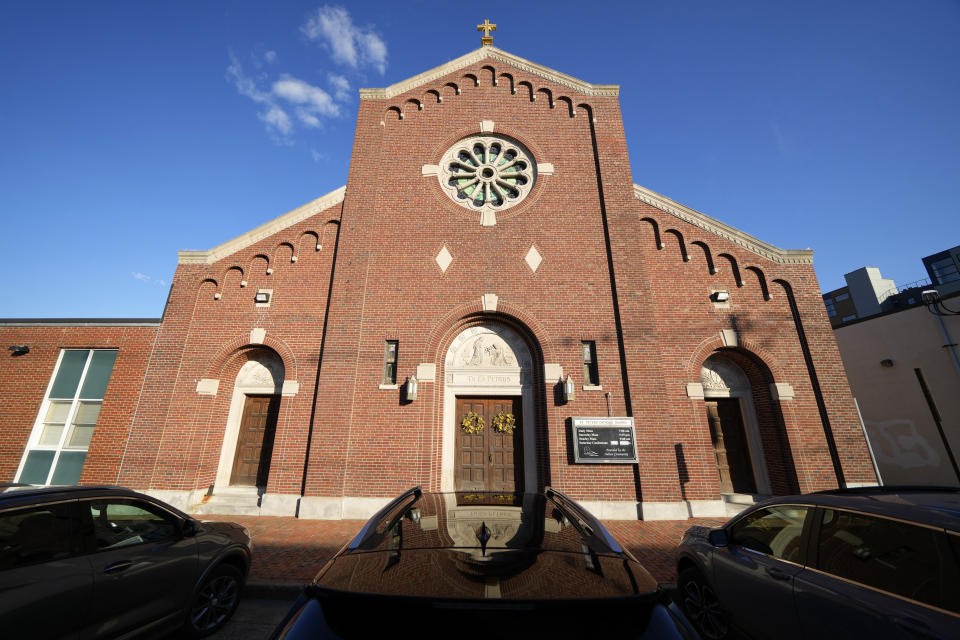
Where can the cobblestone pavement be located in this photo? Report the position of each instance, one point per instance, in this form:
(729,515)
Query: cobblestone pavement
(291,550)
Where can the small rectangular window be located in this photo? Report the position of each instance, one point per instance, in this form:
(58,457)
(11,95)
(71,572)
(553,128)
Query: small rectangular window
(590,372)
(840,297)
(944,271)
(68,416)
(848,318)
(390,362)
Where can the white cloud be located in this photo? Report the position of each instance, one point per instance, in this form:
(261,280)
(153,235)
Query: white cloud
(340,85)
(142,277)
(270,56)
(313,99)
(317,156)
(278,119)
(350,45)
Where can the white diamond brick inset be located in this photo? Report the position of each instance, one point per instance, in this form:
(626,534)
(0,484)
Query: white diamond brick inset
(533,259)
(444,259)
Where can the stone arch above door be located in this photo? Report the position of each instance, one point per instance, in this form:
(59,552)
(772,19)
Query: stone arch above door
(488,360)
(725,382)
(261,375)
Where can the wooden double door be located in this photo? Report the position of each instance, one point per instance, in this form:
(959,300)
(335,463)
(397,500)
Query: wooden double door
(488,459)
(730,446)
(251,464)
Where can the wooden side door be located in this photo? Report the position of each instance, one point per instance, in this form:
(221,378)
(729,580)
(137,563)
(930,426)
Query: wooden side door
(251,465)
(489,460)
(730,446)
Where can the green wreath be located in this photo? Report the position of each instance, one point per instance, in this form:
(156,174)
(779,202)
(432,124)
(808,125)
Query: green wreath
(472,423)
(504,422)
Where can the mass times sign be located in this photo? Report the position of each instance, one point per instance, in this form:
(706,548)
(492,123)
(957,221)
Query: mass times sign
(604,440)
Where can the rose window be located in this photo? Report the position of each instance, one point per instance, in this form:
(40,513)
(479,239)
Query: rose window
(487,173)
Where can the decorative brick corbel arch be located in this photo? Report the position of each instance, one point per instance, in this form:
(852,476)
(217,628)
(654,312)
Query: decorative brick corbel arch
(709,346)
(220,360)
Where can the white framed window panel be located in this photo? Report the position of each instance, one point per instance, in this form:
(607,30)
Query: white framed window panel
(57,448)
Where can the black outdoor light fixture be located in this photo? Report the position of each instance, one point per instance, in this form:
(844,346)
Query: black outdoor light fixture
(720,296)
(931,298)
(19,349)
(262,297)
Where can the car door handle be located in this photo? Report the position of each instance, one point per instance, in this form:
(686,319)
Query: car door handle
(117,567)
(777,574)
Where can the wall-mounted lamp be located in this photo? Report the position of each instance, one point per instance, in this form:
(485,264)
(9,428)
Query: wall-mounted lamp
(412,385)
(568,389)
(720,296)
(262,297)
(886,363)
(930,296)
(19,349)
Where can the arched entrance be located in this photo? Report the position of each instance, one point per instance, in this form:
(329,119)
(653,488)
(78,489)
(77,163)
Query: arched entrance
(728,397)
(488,412)
(252,422)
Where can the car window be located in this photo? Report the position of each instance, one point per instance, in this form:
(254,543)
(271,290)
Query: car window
(119,523)
(36,534)
(775,531)
(885,554)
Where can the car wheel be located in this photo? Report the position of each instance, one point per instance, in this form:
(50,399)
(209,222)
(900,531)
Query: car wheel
(215,601)
(701,605)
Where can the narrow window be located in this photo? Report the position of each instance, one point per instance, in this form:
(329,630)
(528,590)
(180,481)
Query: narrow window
(831,308)
(390,362)
(61,435)
(590,375)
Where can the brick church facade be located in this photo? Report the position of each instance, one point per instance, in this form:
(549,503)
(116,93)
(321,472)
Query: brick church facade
(490,245)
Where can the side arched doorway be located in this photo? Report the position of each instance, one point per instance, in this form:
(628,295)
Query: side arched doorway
(734,429)
(251,422)
(489,412)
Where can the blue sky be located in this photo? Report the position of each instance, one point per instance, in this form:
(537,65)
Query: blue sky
(130,130)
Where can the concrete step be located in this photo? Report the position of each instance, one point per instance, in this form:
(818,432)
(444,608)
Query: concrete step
(231,501)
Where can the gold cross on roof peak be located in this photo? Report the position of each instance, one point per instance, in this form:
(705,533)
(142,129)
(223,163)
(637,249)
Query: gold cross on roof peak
(486,27)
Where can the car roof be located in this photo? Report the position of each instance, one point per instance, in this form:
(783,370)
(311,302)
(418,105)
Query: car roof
(930,505)
(15,495)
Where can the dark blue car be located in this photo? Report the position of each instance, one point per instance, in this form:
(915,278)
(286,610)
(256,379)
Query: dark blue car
(875,562)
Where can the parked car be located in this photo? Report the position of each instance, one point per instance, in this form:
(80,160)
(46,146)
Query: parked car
(483,565)
(104,562)
(876,562)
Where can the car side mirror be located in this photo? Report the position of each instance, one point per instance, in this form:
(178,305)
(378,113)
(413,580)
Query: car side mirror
(718,538)
(188,528)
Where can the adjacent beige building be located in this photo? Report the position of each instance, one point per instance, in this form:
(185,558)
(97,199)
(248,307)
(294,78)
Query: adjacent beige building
(905,375)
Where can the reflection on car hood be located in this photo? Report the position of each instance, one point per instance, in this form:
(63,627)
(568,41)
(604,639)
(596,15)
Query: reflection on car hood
(486,546)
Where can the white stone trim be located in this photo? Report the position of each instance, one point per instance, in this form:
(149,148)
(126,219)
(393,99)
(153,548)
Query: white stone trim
(707,508)
(486,126)
(345,508)
(664,510)
(290,388)
(611,510)
(208,387)
(496,54)
(263,231)
(552,372)
(705,222)
(781,391)
(427,372)
(695,390)
(388,386)
(545,169)
(855,485)
(729,337)
(592,387)
(279,504)
(430,170)
(269,293)
(185,500)
(258,335)
(489,302)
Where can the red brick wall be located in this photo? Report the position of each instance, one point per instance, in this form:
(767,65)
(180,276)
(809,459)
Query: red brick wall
(604,277)
(24,380)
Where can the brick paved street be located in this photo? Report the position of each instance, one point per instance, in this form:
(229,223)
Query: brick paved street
(290,550)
